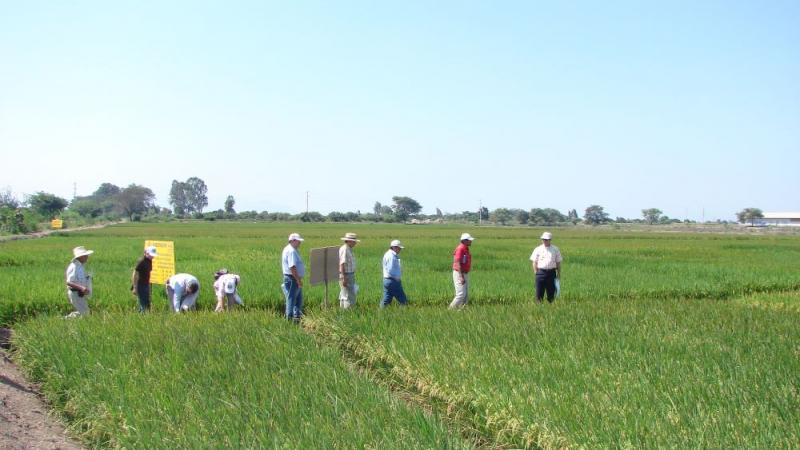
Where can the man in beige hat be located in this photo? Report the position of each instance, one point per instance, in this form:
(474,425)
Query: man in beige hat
(546,262)
(347,271)
(79,283)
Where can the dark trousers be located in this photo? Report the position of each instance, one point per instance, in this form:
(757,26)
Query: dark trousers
(393,289)
(546,282)
(143,292)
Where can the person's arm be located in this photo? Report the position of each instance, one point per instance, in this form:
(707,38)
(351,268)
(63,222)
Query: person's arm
(296,276)
(177,296)
(134,281)
(80,288)
(558,270)
(342,278)
(73,284)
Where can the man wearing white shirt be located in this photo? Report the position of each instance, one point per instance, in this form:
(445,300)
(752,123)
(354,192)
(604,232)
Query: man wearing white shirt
(226,288)
(182,291)
(79,283)
(293,272)
(546,262)
(392,286)
(347,271)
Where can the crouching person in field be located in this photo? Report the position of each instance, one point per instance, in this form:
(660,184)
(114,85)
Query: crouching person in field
(79,283)
(226,287)
(182,291)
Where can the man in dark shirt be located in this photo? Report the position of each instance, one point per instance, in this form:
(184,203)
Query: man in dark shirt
(140,279)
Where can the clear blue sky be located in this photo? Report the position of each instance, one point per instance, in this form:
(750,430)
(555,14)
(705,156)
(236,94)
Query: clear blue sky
(689,107)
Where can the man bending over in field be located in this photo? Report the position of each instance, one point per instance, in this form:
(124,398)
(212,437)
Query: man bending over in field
(226,287)
(182,291)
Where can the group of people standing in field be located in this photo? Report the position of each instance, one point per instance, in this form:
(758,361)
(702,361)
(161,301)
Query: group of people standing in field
(182,289)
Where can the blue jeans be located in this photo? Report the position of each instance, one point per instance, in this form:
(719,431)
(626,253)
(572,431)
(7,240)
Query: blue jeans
(143,292)
(294,297)
(393,289)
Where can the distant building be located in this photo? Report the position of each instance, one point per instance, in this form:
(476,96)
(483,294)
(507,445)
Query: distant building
(780,219)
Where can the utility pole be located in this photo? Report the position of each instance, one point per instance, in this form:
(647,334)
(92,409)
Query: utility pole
(480,212)
(306,203)
(74,190)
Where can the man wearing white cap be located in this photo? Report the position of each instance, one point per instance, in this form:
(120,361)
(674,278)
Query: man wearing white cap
(392,286)
(546,262)
(182,291)
(79,283)
(140,279)
(347,271)
(462,264)
(293,272)
(226,287)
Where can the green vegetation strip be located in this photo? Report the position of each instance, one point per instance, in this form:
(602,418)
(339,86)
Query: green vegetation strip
(212,381)
(477,421)
(608,374)
(597,264)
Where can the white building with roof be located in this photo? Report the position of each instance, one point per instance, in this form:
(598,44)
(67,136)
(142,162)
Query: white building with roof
(781,219)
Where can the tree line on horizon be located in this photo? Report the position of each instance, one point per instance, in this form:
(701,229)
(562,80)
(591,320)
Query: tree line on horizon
(189,200)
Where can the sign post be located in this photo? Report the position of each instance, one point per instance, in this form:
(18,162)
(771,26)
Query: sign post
(56,224)
(164,263)
(324,267)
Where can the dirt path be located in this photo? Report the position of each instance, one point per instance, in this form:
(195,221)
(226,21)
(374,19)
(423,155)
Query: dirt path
(24,422)
(44,233)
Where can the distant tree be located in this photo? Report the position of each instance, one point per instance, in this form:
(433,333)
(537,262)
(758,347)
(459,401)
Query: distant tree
(750,214)
(572,216)
(177,198)
(106,191)
(196,194)
(86,206)
(651,215)
(377,208)
(404,207)
(135,200)
(594,215)
(501,216)
(47,205)
(229,202)
(8,200)
(521,216)
(188,197)
(439,213)
(311,216)
(483,213)
(545,216)
(336,216)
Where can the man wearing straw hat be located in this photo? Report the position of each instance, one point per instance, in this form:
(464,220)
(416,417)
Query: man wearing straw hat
(79,283)
(546,261)
(347,271)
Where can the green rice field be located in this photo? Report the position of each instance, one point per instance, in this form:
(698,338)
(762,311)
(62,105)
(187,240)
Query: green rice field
(659,340)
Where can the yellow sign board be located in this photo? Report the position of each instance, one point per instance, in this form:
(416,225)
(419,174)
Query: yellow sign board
(164,263)
(56,224)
